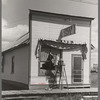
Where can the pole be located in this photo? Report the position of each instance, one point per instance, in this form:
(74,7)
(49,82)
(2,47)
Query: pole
(60,84)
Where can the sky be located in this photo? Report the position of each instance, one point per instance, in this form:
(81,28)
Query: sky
(15,16)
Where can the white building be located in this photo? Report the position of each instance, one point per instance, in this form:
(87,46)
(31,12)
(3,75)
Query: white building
(48,26)
(22,67)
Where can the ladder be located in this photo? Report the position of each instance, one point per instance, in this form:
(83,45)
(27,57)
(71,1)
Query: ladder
(62,76)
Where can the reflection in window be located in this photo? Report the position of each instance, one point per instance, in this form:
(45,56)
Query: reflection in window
(44,55)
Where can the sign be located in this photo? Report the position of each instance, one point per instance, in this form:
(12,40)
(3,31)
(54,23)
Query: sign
(67,31)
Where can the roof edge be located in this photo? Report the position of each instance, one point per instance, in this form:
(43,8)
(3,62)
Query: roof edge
(37,11)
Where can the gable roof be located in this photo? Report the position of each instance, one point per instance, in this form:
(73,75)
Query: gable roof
(24,39)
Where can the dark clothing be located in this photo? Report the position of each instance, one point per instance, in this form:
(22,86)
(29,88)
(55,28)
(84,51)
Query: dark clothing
(48,65)
(51,78)
(50,57)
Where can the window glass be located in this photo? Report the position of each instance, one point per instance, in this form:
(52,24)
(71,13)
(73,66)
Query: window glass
(44,55)
(77,68)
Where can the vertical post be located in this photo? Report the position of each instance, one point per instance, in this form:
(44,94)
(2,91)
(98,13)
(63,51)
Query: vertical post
(60,83)
(30,47)
(0,50)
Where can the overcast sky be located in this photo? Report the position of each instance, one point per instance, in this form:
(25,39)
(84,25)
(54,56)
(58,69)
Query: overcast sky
(15,15)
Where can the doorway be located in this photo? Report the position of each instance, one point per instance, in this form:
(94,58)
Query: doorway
(77,68)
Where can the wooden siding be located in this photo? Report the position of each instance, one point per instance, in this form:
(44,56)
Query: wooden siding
(49,28)
(21,56)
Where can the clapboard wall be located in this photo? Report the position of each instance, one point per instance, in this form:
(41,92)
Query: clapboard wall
(21,65)
(48,26)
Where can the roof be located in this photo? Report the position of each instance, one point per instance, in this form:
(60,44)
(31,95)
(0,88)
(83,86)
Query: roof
(58,14)
(20,41)
(25,40)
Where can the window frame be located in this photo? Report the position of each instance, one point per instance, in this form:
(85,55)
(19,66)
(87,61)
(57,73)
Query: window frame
(39,58)
(40,61)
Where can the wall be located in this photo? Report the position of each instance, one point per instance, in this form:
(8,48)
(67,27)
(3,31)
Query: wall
(49,27)
(21,64)
(94,58)
(83,35)
(67,56)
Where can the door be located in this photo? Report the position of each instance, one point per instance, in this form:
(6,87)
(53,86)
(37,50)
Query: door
(77,66)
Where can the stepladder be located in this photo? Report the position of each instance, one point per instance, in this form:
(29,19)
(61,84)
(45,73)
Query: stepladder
(61,75)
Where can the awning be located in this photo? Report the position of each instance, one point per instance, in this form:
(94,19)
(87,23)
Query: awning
(62,45)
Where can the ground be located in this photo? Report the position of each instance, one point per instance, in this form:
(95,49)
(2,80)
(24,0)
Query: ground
(94,83)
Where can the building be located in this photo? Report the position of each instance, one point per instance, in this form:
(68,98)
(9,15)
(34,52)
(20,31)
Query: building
(14,60)
(94,59)
(22,62)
